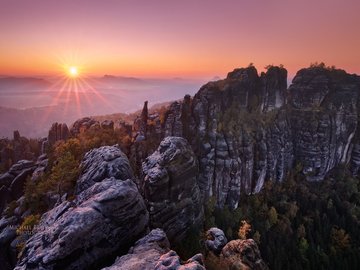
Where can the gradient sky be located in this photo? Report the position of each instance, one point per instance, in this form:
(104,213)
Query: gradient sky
(187,38)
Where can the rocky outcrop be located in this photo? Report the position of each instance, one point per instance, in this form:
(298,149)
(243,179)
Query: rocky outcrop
(58,132)
(102,163)
(243,254)
(169,186)
(104,220)
(247,129)
(144,254)
(153,252)
(16,149)
(324,119)
(21,148)
(274,88)
(7,235)
(107,124)
(215,240)
(171,260)
(237,254)
(12,182)
(82,125)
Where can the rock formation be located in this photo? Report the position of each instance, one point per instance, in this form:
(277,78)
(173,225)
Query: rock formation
(104,219)
(144,254)
(152,252)
(107,124)
(58,132)
(227,140)
(236,254)
(243,254)
(170,188)
(247,129)
(102,163)
(12,182)
(215,240)
(82,125)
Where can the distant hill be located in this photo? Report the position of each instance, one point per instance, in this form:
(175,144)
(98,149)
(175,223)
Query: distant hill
(12,84)
(31,105)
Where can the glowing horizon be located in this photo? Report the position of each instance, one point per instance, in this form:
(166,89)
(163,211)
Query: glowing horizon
(176,39)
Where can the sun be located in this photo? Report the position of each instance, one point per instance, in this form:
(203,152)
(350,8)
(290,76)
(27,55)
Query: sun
(73,72)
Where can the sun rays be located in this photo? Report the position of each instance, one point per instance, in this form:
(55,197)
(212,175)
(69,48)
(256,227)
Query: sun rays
(73,90)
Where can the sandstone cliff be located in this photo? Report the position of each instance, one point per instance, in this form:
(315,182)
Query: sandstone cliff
(247,128)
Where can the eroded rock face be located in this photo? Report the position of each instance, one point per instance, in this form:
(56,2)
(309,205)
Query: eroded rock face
(215,240)
(324,119)
(12,182)
(170,188)
(243,254)
(105,219)
(107,124)
(145,254)
(101,163)
(248,128)
(58,132)
(171,261)
(83,124)
(153,252)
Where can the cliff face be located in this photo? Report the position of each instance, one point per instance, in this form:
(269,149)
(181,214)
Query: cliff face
(324,119)
(247,128)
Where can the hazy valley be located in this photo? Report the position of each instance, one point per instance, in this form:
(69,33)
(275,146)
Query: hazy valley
(31,105)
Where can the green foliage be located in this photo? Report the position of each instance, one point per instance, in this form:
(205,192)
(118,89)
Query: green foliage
(209,213)
(273,216)
(191,244)
(322,66)
(28,224)
(257,237)
(64,169)
(340,239)
(25,230)
(237,121)
(302,225)
(59,179)
(63,175)
(9,211)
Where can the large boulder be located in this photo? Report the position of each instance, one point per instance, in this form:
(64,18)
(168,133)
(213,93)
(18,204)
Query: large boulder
(18,184)
(170,188)
(243,254)
(171,261)
(103,221)
(215,240)
(144,254)
(8,227)
(153,252)
(102,163)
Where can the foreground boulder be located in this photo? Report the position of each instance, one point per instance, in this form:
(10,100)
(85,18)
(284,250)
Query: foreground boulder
(216,240)
(12,182)
(104,219)
(102,163)
(170,188)
(237,254)
(171,261)
(243,254)
(153,252)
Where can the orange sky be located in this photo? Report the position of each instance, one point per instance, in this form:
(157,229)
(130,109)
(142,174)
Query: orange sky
(185,38)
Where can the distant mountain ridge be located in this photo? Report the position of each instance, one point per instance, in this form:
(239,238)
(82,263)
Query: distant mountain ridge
(22,83)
